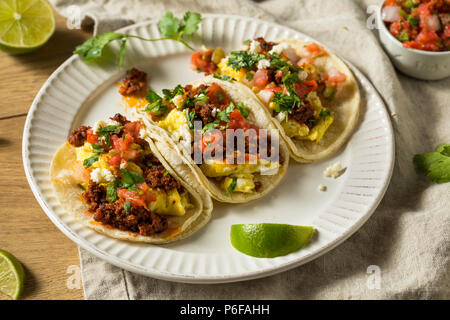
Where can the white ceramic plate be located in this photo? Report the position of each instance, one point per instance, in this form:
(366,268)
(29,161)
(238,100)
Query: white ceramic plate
(78,93)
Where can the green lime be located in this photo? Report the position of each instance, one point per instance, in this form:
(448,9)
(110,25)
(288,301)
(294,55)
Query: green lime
(12,275)
(25,25)
(269,240)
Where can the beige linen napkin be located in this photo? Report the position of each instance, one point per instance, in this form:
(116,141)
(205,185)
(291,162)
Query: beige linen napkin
(407,237)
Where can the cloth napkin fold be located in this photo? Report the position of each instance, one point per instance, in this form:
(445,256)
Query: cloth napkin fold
(407,237)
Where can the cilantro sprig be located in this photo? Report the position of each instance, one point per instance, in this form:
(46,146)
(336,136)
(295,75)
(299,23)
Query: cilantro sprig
(170,27)
(243,60)
(436,165)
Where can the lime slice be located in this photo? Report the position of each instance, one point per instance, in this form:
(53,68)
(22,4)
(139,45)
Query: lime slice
(269,240)
(25,25)
(11,275)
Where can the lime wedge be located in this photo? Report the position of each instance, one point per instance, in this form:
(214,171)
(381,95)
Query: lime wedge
(12,275)
(25,25)
(269,240)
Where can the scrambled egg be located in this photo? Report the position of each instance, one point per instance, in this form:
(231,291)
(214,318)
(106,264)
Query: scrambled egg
(173,121)
(300,131)
(242,172)
(170,203)
(225,69)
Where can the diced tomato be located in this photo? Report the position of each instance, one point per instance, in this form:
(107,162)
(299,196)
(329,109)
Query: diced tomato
(311,84)
(395,28)
(217,95)
(133,196)
(133,129)
(210,139)
(315,50)
(92,138)
(148,195)
(201,60)
(115,160)
(267,94)
(237,121)
(261,78)
(122,143)
(301,89)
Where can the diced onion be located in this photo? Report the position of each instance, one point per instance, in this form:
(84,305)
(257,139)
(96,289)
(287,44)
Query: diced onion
(265,95)
(291,54)
(390,13)
(433,23)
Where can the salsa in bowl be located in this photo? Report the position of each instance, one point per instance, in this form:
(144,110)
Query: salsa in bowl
(416,39)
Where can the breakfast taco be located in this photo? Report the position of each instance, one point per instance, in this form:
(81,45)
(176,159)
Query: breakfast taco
(222,134)
(113,179)
(310,94)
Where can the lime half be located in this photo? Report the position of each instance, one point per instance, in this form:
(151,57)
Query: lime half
(25,25)
(12,275)
(269,240)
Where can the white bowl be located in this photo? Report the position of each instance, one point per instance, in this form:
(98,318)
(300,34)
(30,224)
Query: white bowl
(420,64)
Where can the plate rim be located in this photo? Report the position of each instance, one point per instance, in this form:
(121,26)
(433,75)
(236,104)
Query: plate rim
(169,276)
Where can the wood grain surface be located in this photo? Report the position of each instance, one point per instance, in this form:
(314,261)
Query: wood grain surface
(49,257)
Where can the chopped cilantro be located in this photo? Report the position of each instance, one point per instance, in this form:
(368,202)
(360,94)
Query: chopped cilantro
(97,148)
(127,206)
(249,76)
(152,96)
(324,112)
(284,102)
(90,161)
(210,126)
(111,192)
(81,187)
(224,115)
(130,178)
(279,63)
(222,77)
(165,173)
(190,115)
(243,60)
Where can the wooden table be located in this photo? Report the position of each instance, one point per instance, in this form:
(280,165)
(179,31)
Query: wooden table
(49,257)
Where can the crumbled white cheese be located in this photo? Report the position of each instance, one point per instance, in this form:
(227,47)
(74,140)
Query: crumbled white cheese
(334,171)
(101,175)
(214,112)
(263,64)
(123,165)
(281,116)
(278,49)
(255,46)
(178,101)
(322,188)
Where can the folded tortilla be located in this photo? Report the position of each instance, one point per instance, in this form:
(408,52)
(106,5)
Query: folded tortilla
(179,227)
(166,145)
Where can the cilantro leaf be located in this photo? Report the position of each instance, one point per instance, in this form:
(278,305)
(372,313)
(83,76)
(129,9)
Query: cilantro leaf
(284,102)
(90,161)
(436,165)
(191,22)
(152,96)
(243,110)
(169,26)
(224,115)
(111,192)
(210,126)
(130,178)
(92,49)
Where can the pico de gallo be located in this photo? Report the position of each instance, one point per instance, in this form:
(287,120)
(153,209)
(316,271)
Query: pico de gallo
(124,185)
(419,24)
(178,109)
(285,78)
